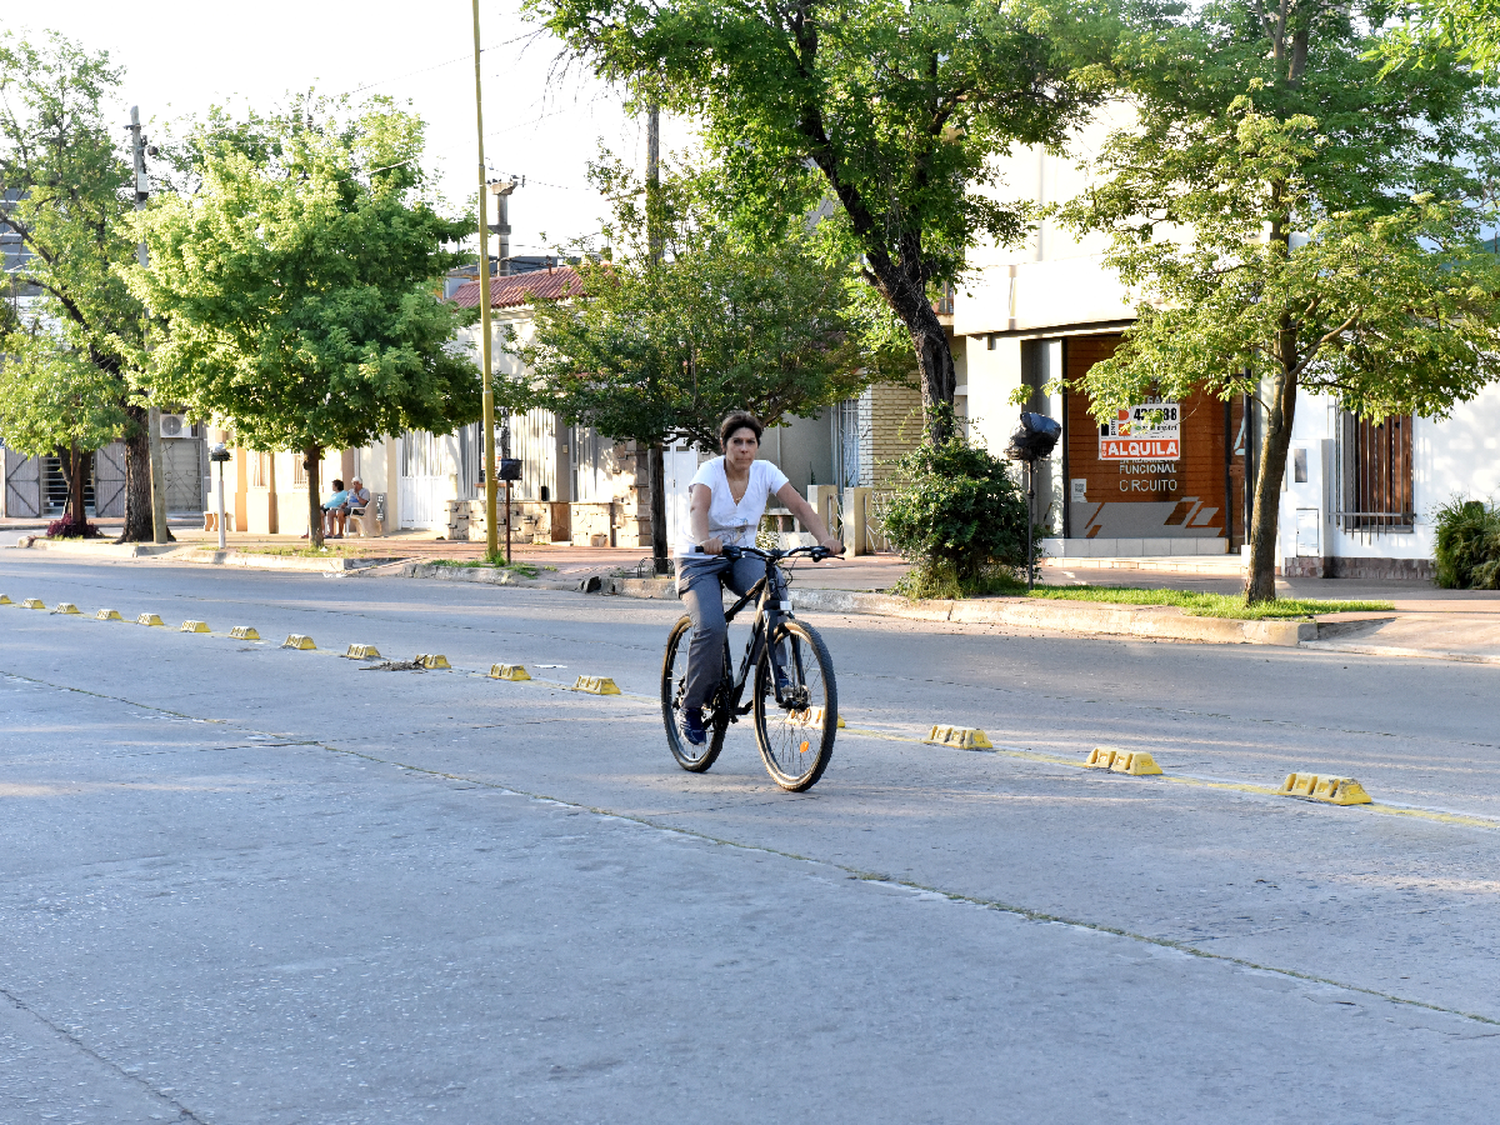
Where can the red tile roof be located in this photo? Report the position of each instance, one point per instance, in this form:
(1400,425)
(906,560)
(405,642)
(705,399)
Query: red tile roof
(522,288)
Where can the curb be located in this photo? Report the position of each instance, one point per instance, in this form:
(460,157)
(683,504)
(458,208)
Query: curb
(1154,622)
(190,554)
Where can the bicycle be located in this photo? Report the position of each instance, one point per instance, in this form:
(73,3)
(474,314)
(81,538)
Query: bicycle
(796,711)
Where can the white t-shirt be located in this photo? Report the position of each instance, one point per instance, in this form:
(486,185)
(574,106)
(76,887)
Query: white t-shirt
(731,522)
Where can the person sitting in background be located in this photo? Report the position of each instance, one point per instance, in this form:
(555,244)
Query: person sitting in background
(356,500)
(332,507)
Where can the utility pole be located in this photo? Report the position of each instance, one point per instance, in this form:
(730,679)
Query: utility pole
(656,474)
(160,533)
(491,531)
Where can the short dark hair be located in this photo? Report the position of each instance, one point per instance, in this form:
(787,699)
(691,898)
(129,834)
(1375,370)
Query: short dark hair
(338,484)
(739,420)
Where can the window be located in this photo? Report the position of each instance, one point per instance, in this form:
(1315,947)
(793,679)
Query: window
(1375,488)
(260,470)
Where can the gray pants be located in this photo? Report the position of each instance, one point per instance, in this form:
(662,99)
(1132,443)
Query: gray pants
(700,585)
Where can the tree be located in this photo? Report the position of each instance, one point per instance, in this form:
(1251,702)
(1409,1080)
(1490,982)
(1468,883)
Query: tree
(659,346)
(68,185)
(1292,220)
(54,399)
(894,108)
(299,286)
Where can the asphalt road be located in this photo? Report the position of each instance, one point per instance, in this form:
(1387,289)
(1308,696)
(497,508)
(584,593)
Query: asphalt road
(249,884)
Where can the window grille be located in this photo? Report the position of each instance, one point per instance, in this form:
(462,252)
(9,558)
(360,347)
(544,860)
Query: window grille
(299,472)
(1375,490)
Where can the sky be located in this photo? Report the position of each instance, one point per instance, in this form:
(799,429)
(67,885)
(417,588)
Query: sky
(541,121)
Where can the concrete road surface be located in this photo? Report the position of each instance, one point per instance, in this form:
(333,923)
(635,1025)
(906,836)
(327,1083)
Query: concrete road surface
(250,884)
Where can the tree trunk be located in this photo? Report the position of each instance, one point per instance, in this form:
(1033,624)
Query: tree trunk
(908,298)
(72,461)
(1260,583)
(657,477)
(311,456)
(138,525)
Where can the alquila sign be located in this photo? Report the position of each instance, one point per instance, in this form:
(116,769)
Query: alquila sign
(1148,431)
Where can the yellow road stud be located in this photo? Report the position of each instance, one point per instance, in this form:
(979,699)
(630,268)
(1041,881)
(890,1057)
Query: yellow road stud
(244,633)
(1330,790)
(195,627)
(596,685)
(812,717)
(362,652)
(433,661)
(4,600)
(960,738)
(66,607)
(509,672)
(33,603)
(298,641)
(1136,763)
(108,615)
(150,619)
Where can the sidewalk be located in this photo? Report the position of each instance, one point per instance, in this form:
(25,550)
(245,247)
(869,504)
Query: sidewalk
(1446,624)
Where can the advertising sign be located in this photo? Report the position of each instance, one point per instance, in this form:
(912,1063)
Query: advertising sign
(1150,431)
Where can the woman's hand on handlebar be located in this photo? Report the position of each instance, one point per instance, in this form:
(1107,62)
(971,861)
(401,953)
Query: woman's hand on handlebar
(712,546)
(832,545)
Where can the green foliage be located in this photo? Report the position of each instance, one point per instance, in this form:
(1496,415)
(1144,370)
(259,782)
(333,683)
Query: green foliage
(957,515)
(1435,30)
(52,398)
(298,282)
(890,111)
(1197,603)
(660,350)
(1468,545)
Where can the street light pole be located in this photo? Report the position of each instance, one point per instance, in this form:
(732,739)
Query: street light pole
(491,538)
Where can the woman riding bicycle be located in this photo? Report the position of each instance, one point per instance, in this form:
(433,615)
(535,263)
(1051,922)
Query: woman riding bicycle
(727,500)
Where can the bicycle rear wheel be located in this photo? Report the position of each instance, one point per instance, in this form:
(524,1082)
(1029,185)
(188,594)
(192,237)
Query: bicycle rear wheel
(796,735)
(673,685)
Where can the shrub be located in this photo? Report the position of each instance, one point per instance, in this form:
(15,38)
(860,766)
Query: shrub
(1468,545)
(66,528)
(959,518)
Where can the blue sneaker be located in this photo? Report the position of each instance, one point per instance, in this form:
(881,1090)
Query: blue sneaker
(691,725)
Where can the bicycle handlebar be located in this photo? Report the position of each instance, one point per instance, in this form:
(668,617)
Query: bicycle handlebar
(816,553)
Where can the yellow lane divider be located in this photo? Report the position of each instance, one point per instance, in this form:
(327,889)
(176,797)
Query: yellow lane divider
(5,600)
(33,603)
(244,633)
(960,738)
(515,672)
(108,615)
(298,641)
(1137,763)
(1333,790)
(150,619)
(362,652)
(67,608)
(433,661)
(596,685)
(195,627)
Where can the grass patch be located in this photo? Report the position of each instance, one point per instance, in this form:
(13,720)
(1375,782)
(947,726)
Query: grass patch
(520,569)
(1200,604)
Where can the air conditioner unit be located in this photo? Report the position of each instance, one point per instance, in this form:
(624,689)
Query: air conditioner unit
(175,426)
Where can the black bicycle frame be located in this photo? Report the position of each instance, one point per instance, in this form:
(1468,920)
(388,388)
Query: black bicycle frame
(771,606)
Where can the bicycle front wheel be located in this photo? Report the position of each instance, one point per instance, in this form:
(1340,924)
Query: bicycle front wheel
(673,686)
(796,732)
